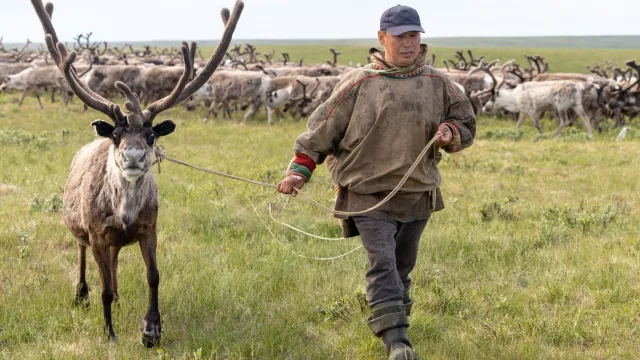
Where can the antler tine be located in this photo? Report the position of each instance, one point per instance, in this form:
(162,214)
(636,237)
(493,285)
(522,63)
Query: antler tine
(536,62)
(136,116)
(216,57)
(632,64)
(495,62)
(478,68)
(315,88)
(188,55)
(304,92)
(446,65)
(226,15)
(87,96)
(64,60)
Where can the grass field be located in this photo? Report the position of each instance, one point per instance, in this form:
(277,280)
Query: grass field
(535,256)
(560,60)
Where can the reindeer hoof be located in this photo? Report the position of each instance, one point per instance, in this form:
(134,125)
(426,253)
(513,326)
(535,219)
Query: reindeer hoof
(151,334)
(150,341)
(82,295)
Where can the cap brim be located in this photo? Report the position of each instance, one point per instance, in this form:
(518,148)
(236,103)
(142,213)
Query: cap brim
(399,30)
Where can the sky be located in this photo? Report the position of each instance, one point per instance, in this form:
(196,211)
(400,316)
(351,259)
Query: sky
(147,20)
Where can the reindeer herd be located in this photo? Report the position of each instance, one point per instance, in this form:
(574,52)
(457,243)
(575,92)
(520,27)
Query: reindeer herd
(248,80)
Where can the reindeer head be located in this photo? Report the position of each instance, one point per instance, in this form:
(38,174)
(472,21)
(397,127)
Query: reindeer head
(133,134)
(306,103)
(133,148)
(10,83)
(621,97)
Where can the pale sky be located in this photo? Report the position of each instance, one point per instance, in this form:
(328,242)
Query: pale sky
(146,20)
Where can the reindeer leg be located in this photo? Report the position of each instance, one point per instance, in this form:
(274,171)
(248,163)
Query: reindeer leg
(562,115)
(250,113)
(113,255)
(521,119)
(101,255)
(82,288)
(595,120)
(24,95)
(53,95)
(619,119)
(152,327)
(585,118)
(535,117)
(38,97)
(269,116)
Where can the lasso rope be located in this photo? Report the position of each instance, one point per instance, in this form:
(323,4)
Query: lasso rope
(161,155)
(293,252)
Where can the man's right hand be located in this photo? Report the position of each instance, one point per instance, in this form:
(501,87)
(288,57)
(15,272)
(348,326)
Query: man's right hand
(290,183)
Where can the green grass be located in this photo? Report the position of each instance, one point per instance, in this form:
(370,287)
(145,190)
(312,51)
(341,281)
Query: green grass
(560,60)
(535,256)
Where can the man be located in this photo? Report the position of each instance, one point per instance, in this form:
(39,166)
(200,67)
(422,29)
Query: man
(374,126)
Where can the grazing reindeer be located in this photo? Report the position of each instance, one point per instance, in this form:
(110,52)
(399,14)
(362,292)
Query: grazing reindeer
(534,98)
(111,199)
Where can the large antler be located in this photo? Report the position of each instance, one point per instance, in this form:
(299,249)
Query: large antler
(632,64)
(269,56)
(487,69)
(335,58)
(304,96)
(183,90)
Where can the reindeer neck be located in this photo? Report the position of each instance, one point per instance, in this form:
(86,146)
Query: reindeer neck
(127,198)
(508,99)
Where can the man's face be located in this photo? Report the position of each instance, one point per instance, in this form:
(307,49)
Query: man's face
(401,50)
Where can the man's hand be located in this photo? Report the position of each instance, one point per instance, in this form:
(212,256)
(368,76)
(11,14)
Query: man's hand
(445,137)
(287,185)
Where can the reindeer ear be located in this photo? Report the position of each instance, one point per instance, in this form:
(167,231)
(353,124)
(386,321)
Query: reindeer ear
(164,128)
(103,128)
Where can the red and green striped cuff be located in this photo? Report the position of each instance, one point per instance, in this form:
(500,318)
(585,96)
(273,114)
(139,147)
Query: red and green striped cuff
(303,165)
(455,130)
(300,169)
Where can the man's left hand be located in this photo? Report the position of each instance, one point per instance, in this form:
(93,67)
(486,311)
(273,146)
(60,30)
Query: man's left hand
(445,137)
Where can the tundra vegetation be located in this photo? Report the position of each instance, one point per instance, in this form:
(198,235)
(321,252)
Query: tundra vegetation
(535,256)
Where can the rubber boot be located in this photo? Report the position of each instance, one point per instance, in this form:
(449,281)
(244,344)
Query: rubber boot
(389,321)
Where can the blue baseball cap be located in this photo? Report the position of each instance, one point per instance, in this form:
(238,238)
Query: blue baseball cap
(400,19)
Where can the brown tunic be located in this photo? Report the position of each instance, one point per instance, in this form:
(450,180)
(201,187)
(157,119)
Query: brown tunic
(376,125)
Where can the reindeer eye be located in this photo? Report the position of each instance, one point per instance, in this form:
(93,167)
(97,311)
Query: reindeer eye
(151,139)
(116,140)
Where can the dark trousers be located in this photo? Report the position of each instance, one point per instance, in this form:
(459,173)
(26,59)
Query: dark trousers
(392,248)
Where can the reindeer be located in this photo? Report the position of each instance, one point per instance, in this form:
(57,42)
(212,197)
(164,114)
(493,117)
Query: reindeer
(227,88)
(37,79)
(290,92)
(534,98)
(626,100)
(110,198)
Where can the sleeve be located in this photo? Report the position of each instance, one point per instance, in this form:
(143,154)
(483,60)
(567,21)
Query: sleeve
(460,118)
(326,126)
